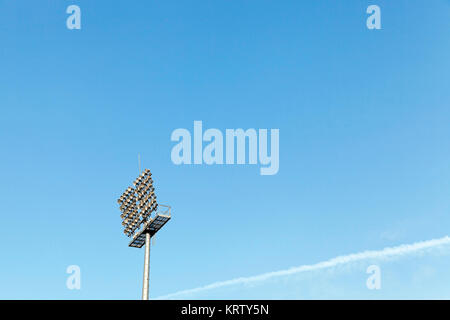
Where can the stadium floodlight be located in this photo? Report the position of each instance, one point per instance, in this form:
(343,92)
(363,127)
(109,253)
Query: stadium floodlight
(142,217)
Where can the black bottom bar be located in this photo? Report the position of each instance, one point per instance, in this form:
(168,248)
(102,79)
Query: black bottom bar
(228,309)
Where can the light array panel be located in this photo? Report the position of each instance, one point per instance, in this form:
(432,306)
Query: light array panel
(138,203)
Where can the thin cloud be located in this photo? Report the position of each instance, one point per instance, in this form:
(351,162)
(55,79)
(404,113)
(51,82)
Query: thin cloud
(388,252)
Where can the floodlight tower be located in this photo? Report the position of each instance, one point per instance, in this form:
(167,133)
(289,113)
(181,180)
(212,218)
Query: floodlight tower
(142,217)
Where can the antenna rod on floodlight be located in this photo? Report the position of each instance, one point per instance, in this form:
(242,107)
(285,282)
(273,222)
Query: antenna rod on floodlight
(139,163)
(142,217)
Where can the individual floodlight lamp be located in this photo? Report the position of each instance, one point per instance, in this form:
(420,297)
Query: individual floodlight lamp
(142,217)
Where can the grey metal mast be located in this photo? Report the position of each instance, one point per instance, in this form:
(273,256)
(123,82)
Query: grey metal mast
(146,267)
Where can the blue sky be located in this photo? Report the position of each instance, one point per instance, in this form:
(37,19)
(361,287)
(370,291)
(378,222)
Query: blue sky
(364,144)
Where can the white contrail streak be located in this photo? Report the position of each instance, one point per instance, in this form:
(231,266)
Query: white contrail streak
(373,254)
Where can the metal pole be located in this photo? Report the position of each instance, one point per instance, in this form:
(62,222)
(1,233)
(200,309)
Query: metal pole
(146,267)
